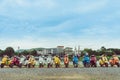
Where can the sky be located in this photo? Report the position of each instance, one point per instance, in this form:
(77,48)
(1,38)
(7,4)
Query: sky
(51,23)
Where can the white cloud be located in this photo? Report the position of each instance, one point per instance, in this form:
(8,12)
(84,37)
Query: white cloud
(44,9)
(61,27)
(30,42)
(27,9)
(89,6)
(102,31)
(29,18)
(112,17)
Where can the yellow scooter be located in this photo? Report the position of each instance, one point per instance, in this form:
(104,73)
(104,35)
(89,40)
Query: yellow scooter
(6,62)
(31,62)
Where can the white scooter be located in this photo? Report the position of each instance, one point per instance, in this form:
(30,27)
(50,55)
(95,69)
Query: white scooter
(49,62)
(23,61)
(41,62)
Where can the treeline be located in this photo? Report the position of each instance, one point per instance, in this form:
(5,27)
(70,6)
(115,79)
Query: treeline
(102,50)
(11,52)
(109,52)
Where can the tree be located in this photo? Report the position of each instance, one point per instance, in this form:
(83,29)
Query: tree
(1,52)
(102,50)
(9,51)
(89,51)
(25,52)
(33,52)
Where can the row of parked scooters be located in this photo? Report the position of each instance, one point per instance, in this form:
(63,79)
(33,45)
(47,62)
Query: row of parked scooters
(30,61)
(103,61)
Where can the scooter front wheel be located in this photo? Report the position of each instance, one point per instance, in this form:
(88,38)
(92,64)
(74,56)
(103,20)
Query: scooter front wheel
(2,65)
(29,65)
(106,64)
(11,65)
(66,65)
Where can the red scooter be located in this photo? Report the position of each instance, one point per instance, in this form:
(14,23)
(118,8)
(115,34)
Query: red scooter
(93,61)
(15,62)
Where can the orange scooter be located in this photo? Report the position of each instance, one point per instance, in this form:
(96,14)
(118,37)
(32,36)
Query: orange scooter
(114,61)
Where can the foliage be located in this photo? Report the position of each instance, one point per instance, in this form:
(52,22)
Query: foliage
(9,51)
(25,52)
(1,52)
(33,52)
(109,52)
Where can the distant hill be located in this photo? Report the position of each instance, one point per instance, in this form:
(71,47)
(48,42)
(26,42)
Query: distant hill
(37,49)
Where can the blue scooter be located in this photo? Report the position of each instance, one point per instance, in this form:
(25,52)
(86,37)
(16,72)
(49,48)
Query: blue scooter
(75,61)
(86,61)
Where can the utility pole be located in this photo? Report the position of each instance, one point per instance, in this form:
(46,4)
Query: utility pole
(79,52)
(75,50)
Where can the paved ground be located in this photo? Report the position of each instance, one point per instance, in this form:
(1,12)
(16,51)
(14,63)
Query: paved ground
(60,74)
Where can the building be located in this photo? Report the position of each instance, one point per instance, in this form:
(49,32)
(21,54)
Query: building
(45,51)
(68,50)
(60,49)
(50,51)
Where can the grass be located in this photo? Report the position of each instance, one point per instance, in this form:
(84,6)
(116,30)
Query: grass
(60,74)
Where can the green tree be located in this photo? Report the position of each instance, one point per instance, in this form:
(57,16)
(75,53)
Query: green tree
(1,52)
(89,51)
(9,51)
(25,52)
(102,50)
(33,52)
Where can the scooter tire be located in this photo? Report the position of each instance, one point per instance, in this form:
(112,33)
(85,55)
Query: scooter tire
(29,65)
(2,65)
